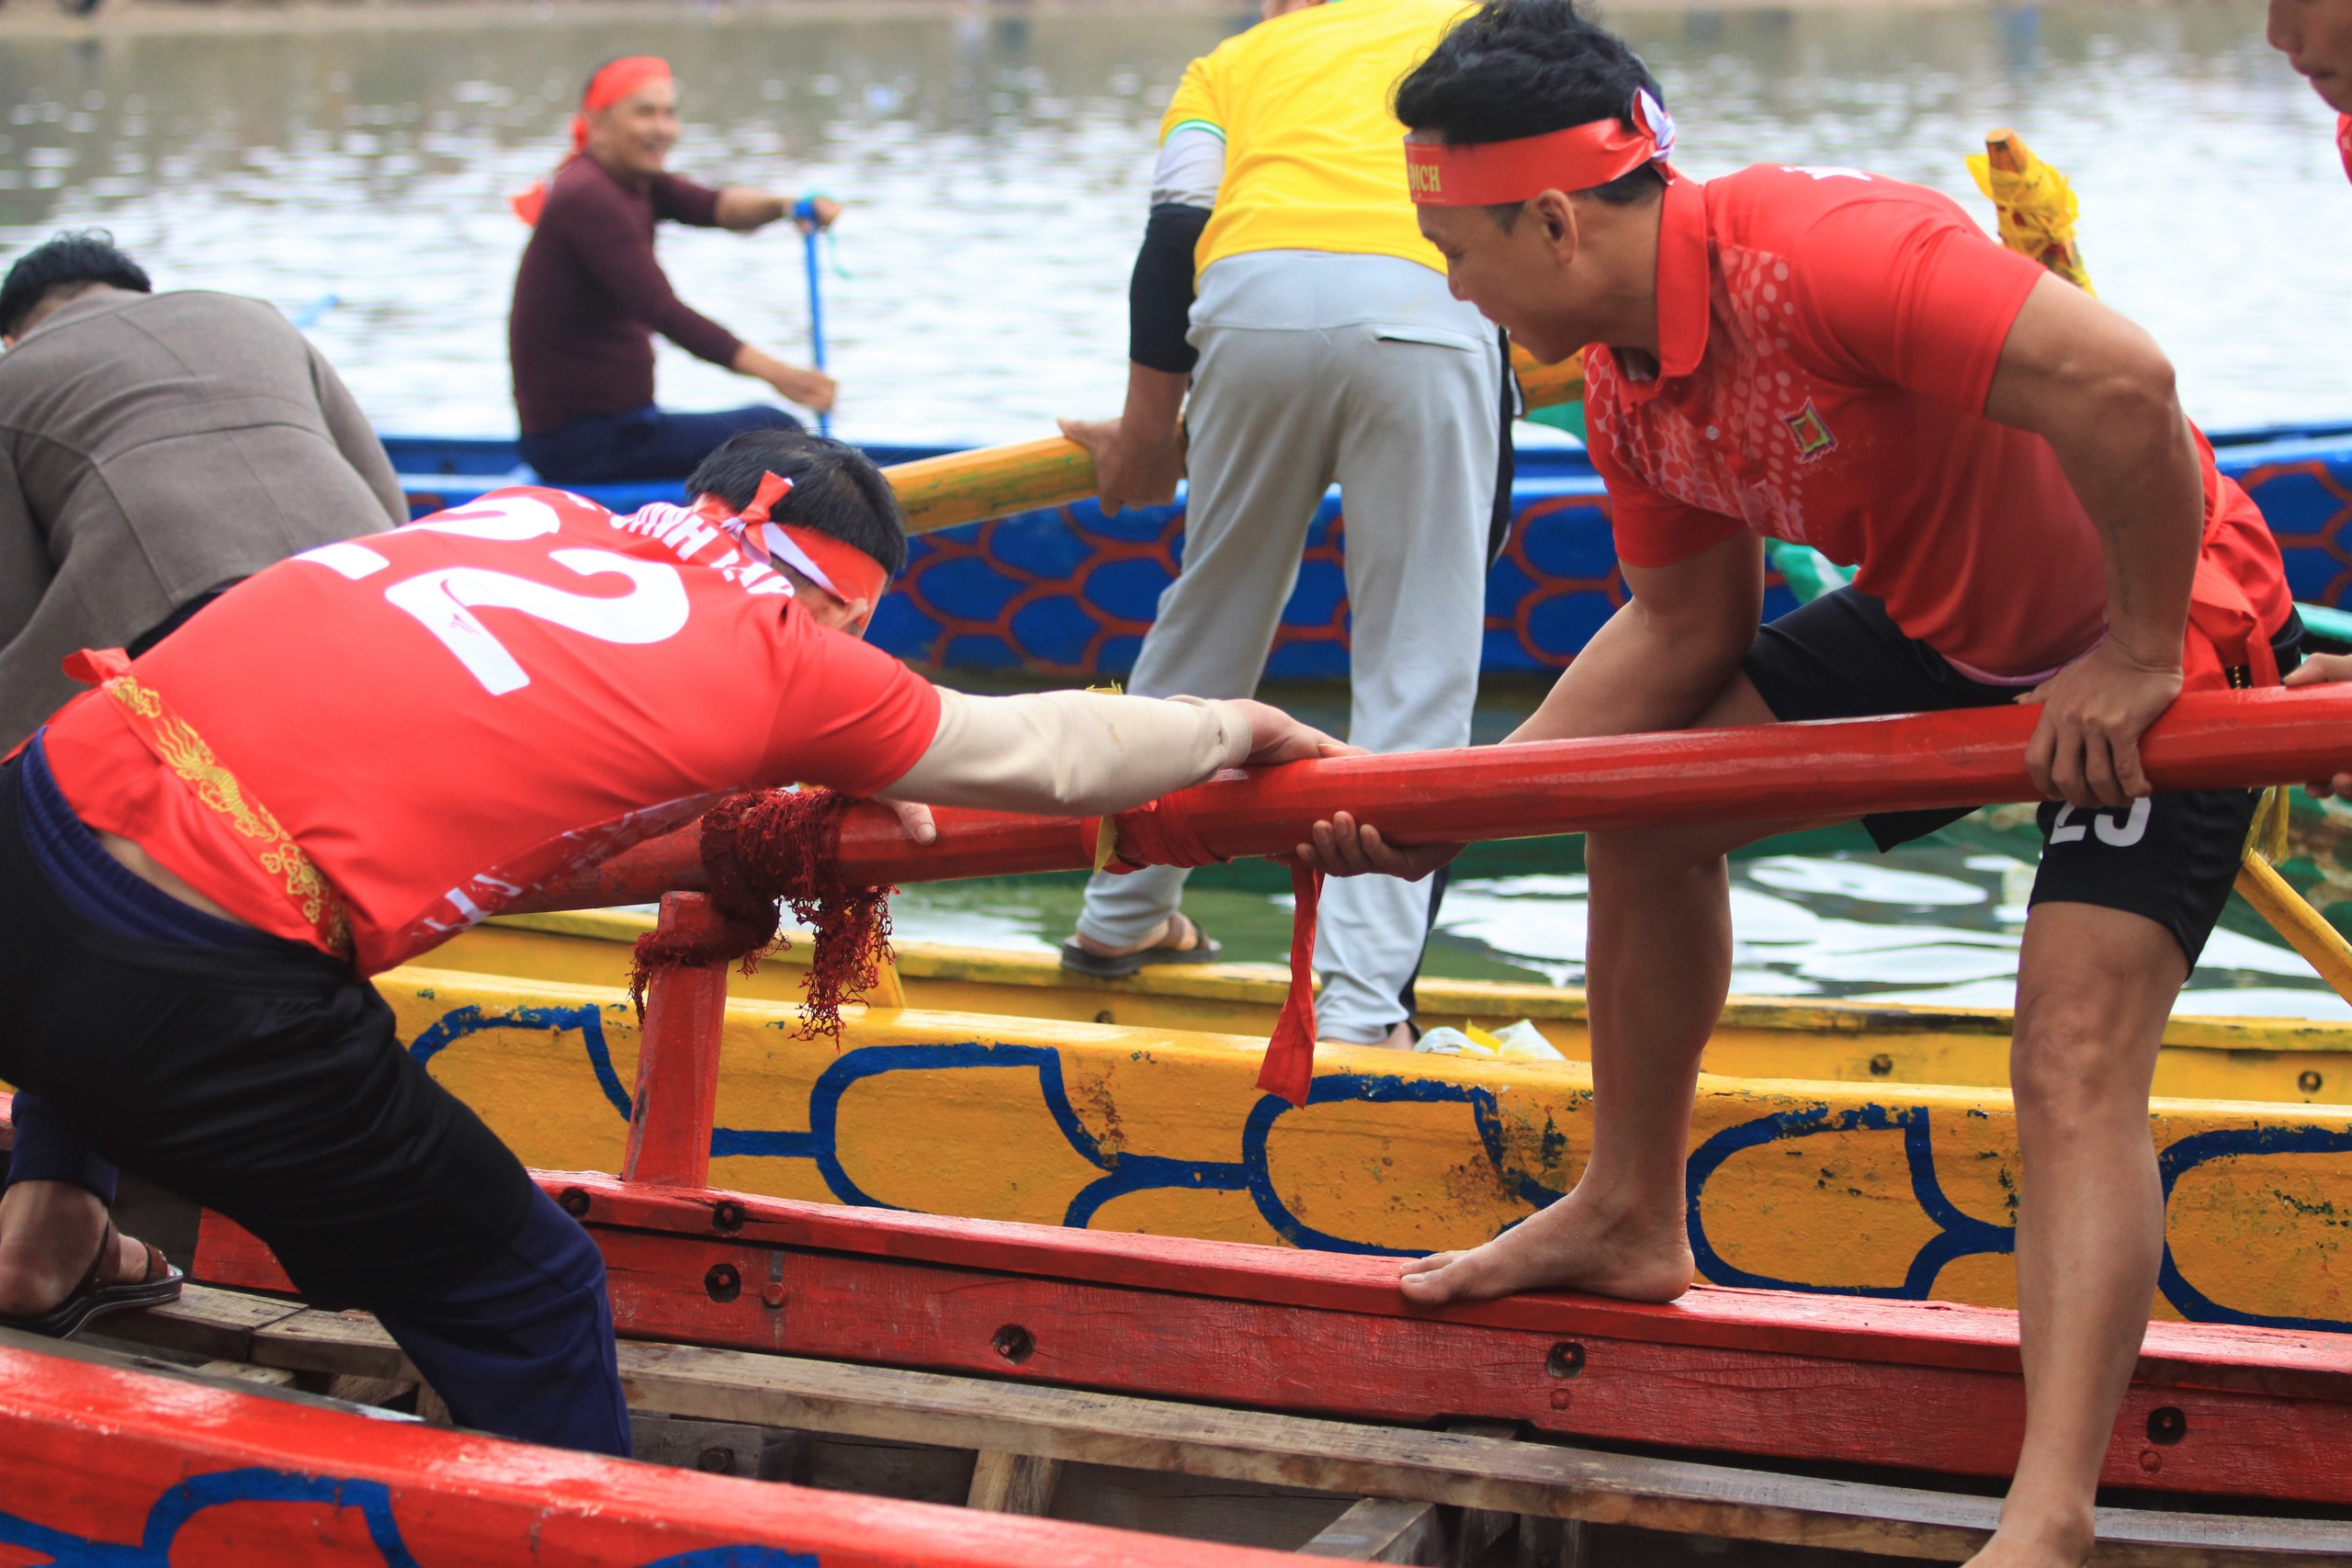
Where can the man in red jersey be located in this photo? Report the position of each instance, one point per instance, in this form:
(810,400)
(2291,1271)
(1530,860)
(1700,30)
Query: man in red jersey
(355,753)
(1825,357)
(2316,38)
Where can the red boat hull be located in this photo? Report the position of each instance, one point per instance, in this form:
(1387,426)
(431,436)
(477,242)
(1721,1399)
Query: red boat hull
(128,1469)
(1914,1385)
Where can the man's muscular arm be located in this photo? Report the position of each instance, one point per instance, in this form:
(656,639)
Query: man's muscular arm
(2099,390)
(1656,664)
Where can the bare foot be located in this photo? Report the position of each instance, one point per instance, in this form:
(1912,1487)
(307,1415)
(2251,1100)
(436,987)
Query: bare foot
(1177,934)
(1568,1247)
(49,1232)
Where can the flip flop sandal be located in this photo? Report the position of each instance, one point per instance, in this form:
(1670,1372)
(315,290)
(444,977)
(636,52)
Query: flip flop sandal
(1205,950)
(90,1300)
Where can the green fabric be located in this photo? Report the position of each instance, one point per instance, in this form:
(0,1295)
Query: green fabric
(1808,573)
(1561,416)
(2336,625)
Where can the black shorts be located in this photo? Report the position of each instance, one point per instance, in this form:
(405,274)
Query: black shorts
(2172,858)
(266,1083)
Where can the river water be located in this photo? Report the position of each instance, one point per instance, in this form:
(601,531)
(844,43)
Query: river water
(995,162)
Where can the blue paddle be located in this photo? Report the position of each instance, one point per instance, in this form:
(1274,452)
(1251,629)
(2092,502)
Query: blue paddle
(805,209)
(307,316)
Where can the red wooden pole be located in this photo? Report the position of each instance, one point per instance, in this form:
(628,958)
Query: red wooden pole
(677,1058)
(1772,772)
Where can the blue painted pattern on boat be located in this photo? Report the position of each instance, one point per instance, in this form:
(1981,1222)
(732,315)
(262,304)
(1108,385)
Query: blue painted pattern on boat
(1067,591)
(1956,1234)
(180,1505)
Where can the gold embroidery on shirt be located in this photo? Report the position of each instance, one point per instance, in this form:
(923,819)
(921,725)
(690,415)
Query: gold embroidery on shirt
(179,748)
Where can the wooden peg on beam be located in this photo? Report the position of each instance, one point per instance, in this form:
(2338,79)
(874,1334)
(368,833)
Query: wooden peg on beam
(677,1058)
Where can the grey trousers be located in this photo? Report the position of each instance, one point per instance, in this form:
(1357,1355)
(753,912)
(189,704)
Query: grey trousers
(1405,419)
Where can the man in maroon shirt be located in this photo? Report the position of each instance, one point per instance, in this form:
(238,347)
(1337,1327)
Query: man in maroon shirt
(589,296)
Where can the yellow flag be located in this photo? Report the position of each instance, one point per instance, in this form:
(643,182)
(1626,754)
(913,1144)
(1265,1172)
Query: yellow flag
(2037,207)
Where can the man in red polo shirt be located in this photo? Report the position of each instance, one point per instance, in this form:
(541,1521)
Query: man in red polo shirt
(2316,38)
(1825,357)
(362,750)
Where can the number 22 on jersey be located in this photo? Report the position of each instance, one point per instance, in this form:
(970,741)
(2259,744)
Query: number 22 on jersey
(443,601)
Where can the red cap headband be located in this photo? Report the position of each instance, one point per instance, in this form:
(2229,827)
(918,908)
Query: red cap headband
(611,85)
(841,569)
(608,86)
(1493,174)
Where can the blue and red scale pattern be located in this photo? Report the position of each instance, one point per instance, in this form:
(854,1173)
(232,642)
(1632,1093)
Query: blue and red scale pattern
(1068,592)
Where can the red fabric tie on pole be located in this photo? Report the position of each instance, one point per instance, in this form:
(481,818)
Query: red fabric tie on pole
(1289,1070)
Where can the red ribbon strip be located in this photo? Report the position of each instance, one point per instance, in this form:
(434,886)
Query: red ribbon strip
(1289,1068)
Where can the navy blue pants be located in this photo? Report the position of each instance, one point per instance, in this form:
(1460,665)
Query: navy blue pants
(644,444)
(263,1079)
(47,1150)
(522,1346)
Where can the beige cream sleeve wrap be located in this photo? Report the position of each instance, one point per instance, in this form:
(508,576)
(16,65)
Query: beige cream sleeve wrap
(1071,754)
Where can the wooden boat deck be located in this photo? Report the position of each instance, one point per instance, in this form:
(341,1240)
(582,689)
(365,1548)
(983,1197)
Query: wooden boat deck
(1920,1386)
(1448,1490)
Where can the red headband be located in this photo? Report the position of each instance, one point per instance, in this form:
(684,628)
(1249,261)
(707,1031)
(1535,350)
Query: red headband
(611,85)
(841,569)
(608,86)
(1493,174)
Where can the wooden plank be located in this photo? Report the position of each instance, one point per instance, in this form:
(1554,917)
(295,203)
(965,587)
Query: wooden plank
(1553,1543)
(348,1342)
(1464,1470)
(96,1448)
(1440,1467)
(1914,1385)
(205,1321)
(2296,1363)
(716,1448)
(354,1390)
(1013,1484)
(245,1371)
(1812,1407)
(1379,1529)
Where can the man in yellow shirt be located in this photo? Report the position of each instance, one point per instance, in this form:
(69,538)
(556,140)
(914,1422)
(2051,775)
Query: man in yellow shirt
(1285,282)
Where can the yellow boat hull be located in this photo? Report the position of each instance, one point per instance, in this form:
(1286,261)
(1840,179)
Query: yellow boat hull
(1851,1184)
(2293,1060)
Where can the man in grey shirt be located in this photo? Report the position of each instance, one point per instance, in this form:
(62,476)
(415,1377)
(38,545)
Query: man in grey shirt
(155,448)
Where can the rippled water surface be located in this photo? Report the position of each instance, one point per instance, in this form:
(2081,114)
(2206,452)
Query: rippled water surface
(1936,922)
(997,165)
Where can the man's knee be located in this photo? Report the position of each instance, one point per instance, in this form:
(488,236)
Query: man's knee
(2094,987)
(1627,856)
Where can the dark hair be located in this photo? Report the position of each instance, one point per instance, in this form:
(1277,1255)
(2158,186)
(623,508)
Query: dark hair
(1524,67)
(836,489)
(71,259)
